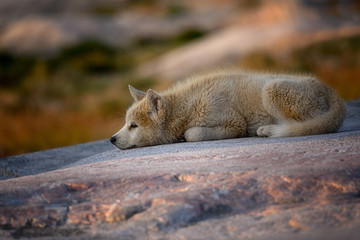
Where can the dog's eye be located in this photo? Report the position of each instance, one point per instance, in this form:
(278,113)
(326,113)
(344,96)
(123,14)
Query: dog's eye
(133,125)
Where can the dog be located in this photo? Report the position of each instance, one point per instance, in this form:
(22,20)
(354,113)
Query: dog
(234,103)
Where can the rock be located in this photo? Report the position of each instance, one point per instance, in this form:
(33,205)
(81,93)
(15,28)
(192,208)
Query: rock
(248,188)
(35,36)
(45,27)
(44,161)
(275,28)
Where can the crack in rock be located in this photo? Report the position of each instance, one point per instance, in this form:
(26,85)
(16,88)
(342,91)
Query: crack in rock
(118,213)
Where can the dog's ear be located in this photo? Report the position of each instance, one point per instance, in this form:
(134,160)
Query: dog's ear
(156,101)
(136,94)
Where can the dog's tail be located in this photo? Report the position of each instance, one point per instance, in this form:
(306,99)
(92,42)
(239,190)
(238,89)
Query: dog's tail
(326,122)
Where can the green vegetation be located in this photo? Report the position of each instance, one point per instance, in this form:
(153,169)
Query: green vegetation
(89,57)
(79,95)
(178,40)
(105,10)
(13,69)
(249,4)
(336,62)
(175,10)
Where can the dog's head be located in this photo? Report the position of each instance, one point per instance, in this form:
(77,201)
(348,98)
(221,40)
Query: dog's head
(145,121)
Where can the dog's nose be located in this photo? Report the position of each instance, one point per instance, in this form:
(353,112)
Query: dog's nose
(112,139)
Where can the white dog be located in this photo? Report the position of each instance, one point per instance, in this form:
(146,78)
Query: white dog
(228,104)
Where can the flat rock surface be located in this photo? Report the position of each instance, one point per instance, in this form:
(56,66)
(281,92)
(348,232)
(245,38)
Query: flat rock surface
(249,188)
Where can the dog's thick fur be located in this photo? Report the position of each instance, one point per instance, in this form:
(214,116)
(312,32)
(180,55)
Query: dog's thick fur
(228,104)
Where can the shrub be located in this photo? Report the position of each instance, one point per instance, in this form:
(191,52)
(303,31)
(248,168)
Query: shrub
(89,57)
(13,69)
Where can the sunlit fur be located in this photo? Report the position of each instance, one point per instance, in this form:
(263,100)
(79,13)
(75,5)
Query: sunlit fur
(231,103)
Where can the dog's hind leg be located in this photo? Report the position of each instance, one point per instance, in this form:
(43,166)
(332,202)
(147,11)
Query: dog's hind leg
(292,101)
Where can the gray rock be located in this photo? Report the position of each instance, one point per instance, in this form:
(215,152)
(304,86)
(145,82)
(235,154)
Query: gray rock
(248,188)
(44,161)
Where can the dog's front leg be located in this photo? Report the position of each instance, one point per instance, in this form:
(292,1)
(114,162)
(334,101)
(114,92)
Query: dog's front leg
(231,125)
(196,134)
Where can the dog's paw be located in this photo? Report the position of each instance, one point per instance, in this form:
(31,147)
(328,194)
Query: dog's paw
(265,131)
(194,134)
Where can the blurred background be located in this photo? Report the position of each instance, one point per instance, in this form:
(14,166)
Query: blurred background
(65,65)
